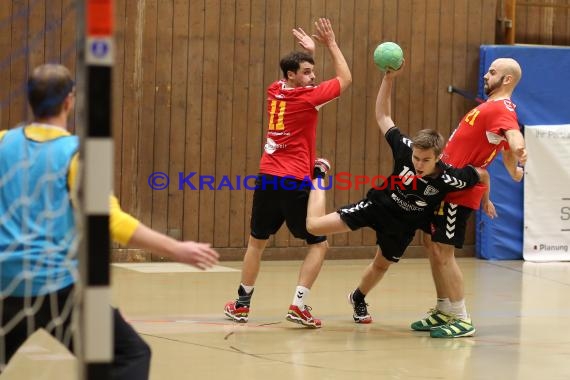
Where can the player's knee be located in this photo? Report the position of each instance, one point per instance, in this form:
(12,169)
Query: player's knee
(312,226)
(441,254)
(256,244)
(380,263)
(321,245)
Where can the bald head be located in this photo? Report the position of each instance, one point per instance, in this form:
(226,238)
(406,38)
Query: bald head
(503,76)
(508,66)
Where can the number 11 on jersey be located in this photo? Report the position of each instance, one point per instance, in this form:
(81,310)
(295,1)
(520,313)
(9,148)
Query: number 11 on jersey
(277,125)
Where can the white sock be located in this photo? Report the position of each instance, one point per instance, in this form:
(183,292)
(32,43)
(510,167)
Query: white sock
(444,305)
(301,293)
(248,289)
(458,308)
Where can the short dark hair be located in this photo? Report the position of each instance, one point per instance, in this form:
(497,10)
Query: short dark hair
(429,139)
(292,61)
(48,86)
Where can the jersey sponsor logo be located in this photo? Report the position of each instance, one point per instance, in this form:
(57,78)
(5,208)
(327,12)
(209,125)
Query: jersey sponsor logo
(407,141)
(281,133)
(271,146)
(405,205)
(411,199)
(430,190)
(509,105)
(452,181)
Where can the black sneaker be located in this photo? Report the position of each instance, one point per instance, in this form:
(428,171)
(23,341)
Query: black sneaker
(360,310)
(322,166)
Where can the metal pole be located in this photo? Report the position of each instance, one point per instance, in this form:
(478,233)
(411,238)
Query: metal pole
(96,183)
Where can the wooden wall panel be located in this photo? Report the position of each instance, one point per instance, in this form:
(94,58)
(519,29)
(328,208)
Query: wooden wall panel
(179,102)
(69,41)
(189,92)
(148,111)
(18,60)
(208,141)
(5,57)
(52,42)
(561,26)
(162,104)
(223,127)
(38,31)
(243,27)
(432,59)
(130,112)
(194,118)
(543,22)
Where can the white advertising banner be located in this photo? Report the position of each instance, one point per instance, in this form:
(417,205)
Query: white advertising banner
(547,193)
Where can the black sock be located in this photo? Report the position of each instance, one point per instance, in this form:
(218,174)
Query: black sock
(244,298)
(357,296)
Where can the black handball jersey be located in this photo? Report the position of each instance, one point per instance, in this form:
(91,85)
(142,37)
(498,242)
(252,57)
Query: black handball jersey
(411,199)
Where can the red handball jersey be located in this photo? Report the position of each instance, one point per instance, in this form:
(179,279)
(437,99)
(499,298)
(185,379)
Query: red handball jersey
(477,141)
(291,136)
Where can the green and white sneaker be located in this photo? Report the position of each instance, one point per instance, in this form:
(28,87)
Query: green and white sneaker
(434,318)
(454,328)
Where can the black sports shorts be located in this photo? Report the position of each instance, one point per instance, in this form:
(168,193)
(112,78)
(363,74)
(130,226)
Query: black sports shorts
(449,223)
(392,236)
(277,200)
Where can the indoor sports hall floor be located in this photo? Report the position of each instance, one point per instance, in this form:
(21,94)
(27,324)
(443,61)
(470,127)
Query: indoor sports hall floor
(521,311)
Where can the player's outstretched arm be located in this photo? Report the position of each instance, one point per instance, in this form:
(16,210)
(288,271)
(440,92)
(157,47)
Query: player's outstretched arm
(383,107)
(128,231)
(325,35)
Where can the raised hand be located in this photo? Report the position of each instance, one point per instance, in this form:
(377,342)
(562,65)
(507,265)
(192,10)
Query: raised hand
(325,33)
(304,40)
(395,73)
